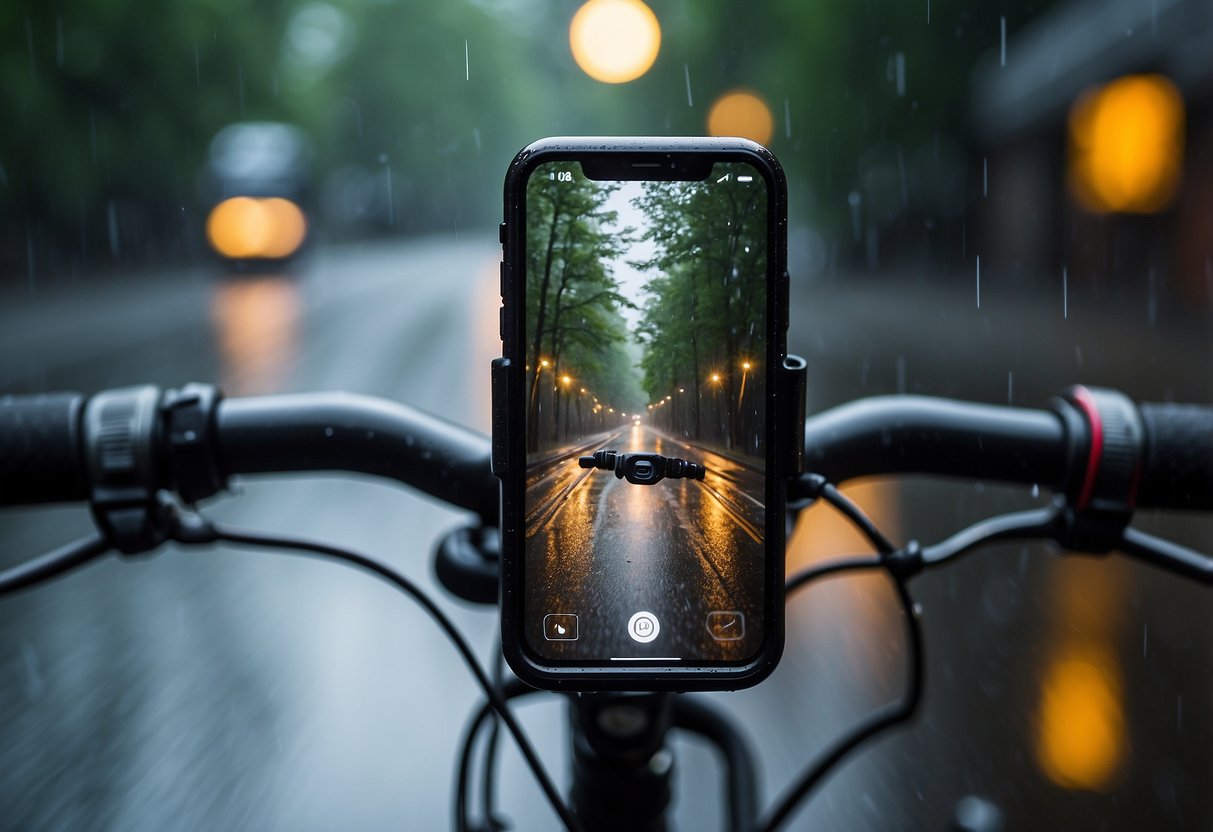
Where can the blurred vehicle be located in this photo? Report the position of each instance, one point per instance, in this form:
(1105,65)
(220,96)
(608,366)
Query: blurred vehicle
(259,177)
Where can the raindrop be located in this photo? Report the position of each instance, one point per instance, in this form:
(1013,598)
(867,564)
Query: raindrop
(1002,52)
(985,176)
(787,118)
(240,78)
(1145,639)
(467,63)
(1065,293)
(928,11)
(1010,386)
(686,72)
(917,610)
(197,67)
(1035,489)
(328,431)
(900,59)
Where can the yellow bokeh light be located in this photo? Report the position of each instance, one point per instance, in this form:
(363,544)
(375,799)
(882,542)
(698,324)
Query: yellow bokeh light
(1081,740)
(244,228)
(741,113)
(1126,145)
(615,41)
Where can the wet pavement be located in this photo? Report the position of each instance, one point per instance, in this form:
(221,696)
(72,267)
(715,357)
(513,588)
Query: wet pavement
(604,549)
(227,689)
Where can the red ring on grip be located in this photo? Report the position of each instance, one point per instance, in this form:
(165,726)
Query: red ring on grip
(1086,403)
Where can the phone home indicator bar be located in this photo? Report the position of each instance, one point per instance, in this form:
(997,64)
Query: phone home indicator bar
(646,659)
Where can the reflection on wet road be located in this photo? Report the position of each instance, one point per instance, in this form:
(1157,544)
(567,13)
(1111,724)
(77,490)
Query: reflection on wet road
(603,549)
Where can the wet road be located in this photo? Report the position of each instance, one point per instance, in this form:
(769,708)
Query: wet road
(604,549)
(224,689)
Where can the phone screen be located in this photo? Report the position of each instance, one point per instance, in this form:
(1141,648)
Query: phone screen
(647,358)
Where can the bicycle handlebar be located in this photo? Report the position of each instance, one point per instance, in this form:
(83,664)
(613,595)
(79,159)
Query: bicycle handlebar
(53,448)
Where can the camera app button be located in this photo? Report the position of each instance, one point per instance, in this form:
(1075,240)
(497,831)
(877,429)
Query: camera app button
(560,626)
(643,627)
(726,625)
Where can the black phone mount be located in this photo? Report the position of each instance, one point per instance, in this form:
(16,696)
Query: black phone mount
(466,560)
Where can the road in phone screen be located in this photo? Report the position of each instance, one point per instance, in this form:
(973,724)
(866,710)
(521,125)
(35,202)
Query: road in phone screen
(645,326)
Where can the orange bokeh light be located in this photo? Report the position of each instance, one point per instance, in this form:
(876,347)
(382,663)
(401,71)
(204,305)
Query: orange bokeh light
(615,41)
(1126,145)
(245,227)
(741,113)
(1081,740)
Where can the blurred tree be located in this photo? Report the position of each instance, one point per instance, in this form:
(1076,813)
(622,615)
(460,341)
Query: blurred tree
(107,107)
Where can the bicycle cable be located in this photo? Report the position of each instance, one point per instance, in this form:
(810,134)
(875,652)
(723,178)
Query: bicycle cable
(511,690)
(53,564)
(489,773)
(899,564)
(223,534)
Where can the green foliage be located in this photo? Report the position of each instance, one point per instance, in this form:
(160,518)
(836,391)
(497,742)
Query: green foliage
(573,326)
(107,106)
(706,314)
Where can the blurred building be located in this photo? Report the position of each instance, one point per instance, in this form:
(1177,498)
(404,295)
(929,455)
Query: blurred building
(1096,133)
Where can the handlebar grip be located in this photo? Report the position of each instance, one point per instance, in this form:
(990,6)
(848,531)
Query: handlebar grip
(41,454)
(1177,463)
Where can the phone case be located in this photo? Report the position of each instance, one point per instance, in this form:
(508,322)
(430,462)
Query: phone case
(509,415)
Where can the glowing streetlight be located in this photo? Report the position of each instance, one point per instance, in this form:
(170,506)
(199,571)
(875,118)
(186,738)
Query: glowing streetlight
(565,380)
(715,379)
(745,365)
(614,41)
(543,362)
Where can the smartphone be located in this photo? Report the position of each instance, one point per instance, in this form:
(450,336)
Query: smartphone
(636,413)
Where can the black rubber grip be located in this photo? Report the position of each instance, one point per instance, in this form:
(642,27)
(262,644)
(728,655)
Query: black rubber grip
(41,456)
(1177,466)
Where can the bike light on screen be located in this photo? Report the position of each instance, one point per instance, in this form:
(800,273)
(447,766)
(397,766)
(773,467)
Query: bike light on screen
(243,228)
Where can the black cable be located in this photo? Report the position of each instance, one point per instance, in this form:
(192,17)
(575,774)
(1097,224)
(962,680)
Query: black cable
(490,747)
(511,691)
(246,538)
(830,567)
(876,722)
(1033,523)
(853,513)
(53,563)
(1164,554)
